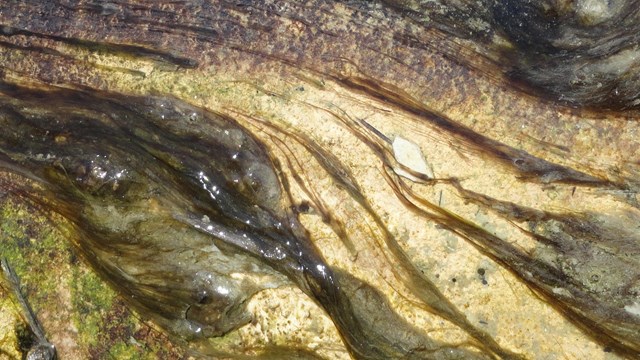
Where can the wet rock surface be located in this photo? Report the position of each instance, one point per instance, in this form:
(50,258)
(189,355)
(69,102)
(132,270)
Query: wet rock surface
(227,168)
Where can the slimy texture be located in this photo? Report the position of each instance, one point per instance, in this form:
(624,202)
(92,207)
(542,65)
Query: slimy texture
(170,201)
(228,169)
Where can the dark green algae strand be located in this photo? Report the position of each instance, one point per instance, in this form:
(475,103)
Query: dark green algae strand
(106,167)
(586,264)
(169,201)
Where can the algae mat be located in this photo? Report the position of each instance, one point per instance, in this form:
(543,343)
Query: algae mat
(319,179)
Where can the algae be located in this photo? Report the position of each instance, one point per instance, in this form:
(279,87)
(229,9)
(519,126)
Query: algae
(532,187)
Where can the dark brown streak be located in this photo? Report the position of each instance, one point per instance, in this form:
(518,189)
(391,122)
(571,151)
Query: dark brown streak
(433,300)
(529,167)
(419,285)
(122,49)
(538,276)
(336,225)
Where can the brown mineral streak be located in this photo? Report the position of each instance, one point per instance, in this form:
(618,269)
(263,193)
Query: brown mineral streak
(426,79)
(304,36)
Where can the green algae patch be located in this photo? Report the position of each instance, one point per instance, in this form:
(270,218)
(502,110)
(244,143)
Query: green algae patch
(34,249)
(37,253)
(91,298)
(30,245)
(122,350)
(8,321)
(79,312)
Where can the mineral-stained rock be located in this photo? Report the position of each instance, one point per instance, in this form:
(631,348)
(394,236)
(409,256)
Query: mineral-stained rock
(227,172)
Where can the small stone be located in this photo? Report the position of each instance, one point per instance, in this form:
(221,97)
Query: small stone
(409,155)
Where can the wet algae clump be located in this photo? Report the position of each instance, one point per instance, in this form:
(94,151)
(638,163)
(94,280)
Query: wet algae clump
(124,189)
(230,169)
(169,202)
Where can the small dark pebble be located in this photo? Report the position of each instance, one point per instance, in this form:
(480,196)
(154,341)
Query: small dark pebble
(302,208)
(454,280)
(481,271)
